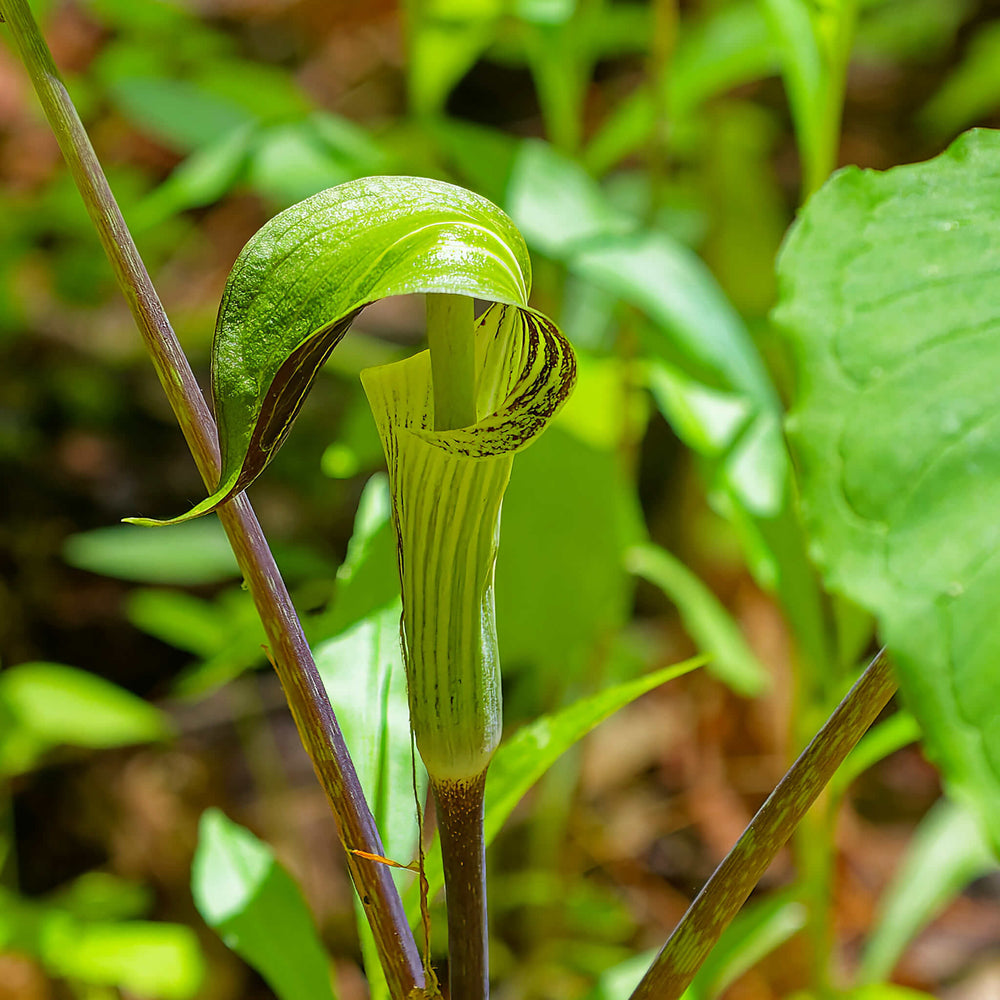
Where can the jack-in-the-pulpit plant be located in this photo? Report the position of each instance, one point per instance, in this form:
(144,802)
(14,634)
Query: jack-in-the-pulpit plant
(450,420)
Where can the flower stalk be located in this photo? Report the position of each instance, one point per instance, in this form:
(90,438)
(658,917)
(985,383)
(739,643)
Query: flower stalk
(453,360)
(447,486)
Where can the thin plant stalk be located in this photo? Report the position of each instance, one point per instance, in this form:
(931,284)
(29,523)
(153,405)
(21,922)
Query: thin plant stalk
(460,814)
(732,882)
(453,360)
(292,658)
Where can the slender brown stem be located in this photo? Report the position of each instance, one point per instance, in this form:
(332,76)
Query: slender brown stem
(460,811)
(307,698)
(732,882)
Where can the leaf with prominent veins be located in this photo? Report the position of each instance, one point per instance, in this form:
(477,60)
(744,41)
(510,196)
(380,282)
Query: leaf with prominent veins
(302,279)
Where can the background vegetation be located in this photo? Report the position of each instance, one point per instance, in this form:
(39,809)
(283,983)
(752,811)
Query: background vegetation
(653,156)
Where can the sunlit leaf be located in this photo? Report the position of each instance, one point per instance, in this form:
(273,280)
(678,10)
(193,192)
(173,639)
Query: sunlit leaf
(157,960)
(362,670)
(185,555)
(946,853)
(47,705)
(249,899)
(886,294)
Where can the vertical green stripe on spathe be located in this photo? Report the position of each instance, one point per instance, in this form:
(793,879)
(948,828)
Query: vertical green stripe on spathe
(447,488)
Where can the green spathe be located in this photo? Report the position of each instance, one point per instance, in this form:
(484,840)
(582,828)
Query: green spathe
(291,297)
(447,487)
(299,283)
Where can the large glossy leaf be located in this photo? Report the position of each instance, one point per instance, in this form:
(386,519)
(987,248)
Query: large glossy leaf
(362,671)
(301,280)
(889,297)
(257,909)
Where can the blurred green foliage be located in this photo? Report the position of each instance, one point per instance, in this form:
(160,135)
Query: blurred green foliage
(653,154)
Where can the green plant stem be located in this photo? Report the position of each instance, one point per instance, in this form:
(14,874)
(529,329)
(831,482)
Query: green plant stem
(307,698)
(732,882)
(834,36)
(450,322)
(460,814)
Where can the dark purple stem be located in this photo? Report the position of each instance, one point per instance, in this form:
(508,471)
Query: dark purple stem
(307,698)
(732,882)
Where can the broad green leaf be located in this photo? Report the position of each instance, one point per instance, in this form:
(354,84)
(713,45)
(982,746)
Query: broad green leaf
(185,555)
(946,853)
(363,673)
(157,960)
(298,284)
(524,758)
(249,899)
(45,705)
(887,297)
(178,111)
(447,487)
(710,625)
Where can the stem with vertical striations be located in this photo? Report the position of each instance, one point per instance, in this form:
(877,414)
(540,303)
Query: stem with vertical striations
(732,882)
(450,323)
(307,698)
(460,814)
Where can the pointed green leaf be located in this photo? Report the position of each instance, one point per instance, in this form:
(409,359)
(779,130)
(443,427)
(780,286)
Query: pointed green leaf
(947,852)
(44,705)
(185,555)
(710,625)
(524,758)
(888,295)
(362,671)
(302,279)
(257,909)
